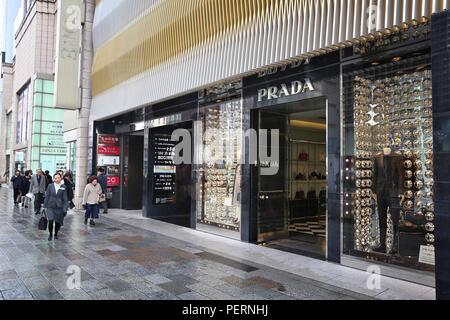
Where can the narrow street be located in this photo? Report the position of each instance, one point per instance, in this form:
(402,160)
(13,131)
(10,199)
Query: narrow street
(119,261)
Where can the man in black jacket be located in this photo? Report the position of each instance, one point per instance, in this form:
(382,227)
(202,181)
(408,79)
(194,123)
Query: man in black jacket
(17,185)
(48,179)
(103,181)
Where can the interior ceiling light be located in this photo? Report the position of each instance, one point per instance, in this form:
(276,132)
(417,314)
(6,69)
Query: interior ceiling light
(308,125)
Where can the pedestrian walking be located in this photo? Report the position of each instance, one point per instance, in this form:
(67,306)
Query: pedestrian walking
(69,186)
(48,179)
(6,175)
(38,188)
(25,188)
(91,198)
(103,181)
(17,185)
(56,205)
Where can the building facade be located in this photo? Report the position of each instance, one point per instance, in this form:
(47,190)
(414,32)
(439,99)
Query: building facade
(35,129)
(330,113)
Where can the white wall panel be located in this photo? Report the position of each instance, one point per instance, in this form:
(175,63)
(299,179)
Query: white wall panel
(278,31)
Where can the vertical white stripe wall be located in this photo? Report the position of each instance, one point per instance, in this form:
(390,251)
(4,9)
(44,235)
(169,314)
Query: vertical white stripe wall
(282,30)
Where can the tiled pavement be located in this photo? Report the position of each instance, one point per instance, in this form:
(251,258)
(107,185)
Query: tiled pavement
(119,261)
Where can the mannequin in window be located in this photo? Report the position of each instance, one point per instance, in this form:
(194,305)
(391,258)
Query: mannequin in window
(388,186)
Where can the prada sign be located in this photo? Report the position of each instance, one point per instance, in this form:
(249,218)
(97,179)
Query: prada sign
(285,90)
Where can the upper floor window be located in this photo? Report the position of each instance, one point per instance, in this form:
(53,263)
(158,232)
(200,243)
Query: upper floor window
(22,116)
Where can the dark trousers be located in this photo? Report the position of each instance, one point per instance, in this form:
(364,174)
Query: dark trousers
(50,227)
(92,211)
(104,205)
(16,195)
(38,200)
(385,201)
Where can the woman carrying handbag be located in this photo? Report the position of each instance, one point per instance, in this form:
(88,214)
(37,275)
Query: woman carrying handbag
(56,205)
(93,194)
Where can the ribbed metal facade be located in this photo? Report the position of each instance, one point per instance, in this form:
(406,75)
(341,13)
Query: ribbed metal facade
(149,50)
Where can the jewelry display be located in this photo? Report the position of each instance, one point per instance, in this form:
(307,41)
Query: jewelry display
(393,115)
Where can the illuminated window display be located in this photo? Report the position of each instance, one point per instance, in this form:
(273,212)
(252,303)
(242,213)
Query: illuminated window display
(389,177)
(219,187)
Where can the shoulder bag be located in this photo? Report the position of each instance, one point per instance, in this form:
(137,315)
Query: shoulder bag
(43,222)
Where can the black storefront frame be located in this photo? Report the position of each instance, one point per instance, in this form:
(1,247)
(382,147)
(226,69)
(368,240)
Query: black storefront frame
(440,64)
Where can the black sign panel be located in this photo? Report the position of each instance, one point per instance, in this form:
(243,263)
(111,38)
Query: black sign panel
(164,171)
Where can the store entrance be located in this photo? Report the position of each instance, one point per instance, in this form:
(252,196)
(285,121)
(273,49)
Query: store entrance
(133,171)
(292,205)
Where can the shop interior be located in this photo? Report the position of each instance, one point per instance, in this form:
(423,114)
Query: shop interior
(292,207)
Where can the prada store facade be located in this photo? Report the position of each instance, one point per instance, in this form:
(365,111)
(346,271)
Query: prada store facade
(351,158)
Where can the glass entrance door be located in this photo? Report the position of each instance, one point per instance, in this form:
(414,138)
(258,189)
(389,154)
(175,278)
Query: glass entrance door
(272,189)
(292,204)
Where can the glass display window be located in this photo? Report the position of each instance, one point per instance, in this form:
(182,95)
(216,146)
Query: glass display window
(388,166)
(219,181)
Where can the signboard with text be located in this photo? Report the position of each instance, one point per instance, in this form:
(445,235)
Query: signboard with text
(67,55)
(108,161)
(164,171)
(108,140)
(109,150)
(113,181)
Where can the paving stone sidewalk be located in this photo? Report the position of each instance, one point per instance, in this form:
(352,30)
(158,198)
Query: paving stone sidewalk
(122,262)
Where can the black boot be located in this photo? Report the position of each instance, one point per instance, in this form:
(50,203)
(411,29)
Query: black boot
(92,223)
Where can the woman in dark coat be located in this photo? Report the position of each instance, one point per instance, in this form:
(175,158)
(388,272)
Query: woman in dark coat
(56,204)
(25,188)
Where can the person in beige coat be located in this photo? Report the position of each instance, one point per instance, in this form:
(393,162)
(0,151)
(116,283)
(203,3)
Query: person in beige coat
(91,199)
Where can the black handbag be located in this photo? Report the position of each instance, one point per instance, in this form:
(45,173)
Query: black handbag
(43,222)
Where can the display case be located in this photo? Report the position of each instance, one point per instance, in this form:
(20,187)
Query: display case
(389,177)
(219,183)
(307,168)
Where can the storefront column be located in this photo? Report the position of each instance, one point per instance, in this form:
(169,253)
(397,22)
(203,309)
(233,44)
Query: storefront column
(86,99)
(441,114)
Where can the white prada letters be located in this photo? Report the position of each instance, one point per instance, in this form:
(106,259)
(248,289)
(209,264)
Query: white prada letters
(285,90)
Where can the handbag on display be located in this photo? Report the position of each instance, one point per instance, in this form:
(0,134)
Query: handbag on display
(303,156)
(43,222)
